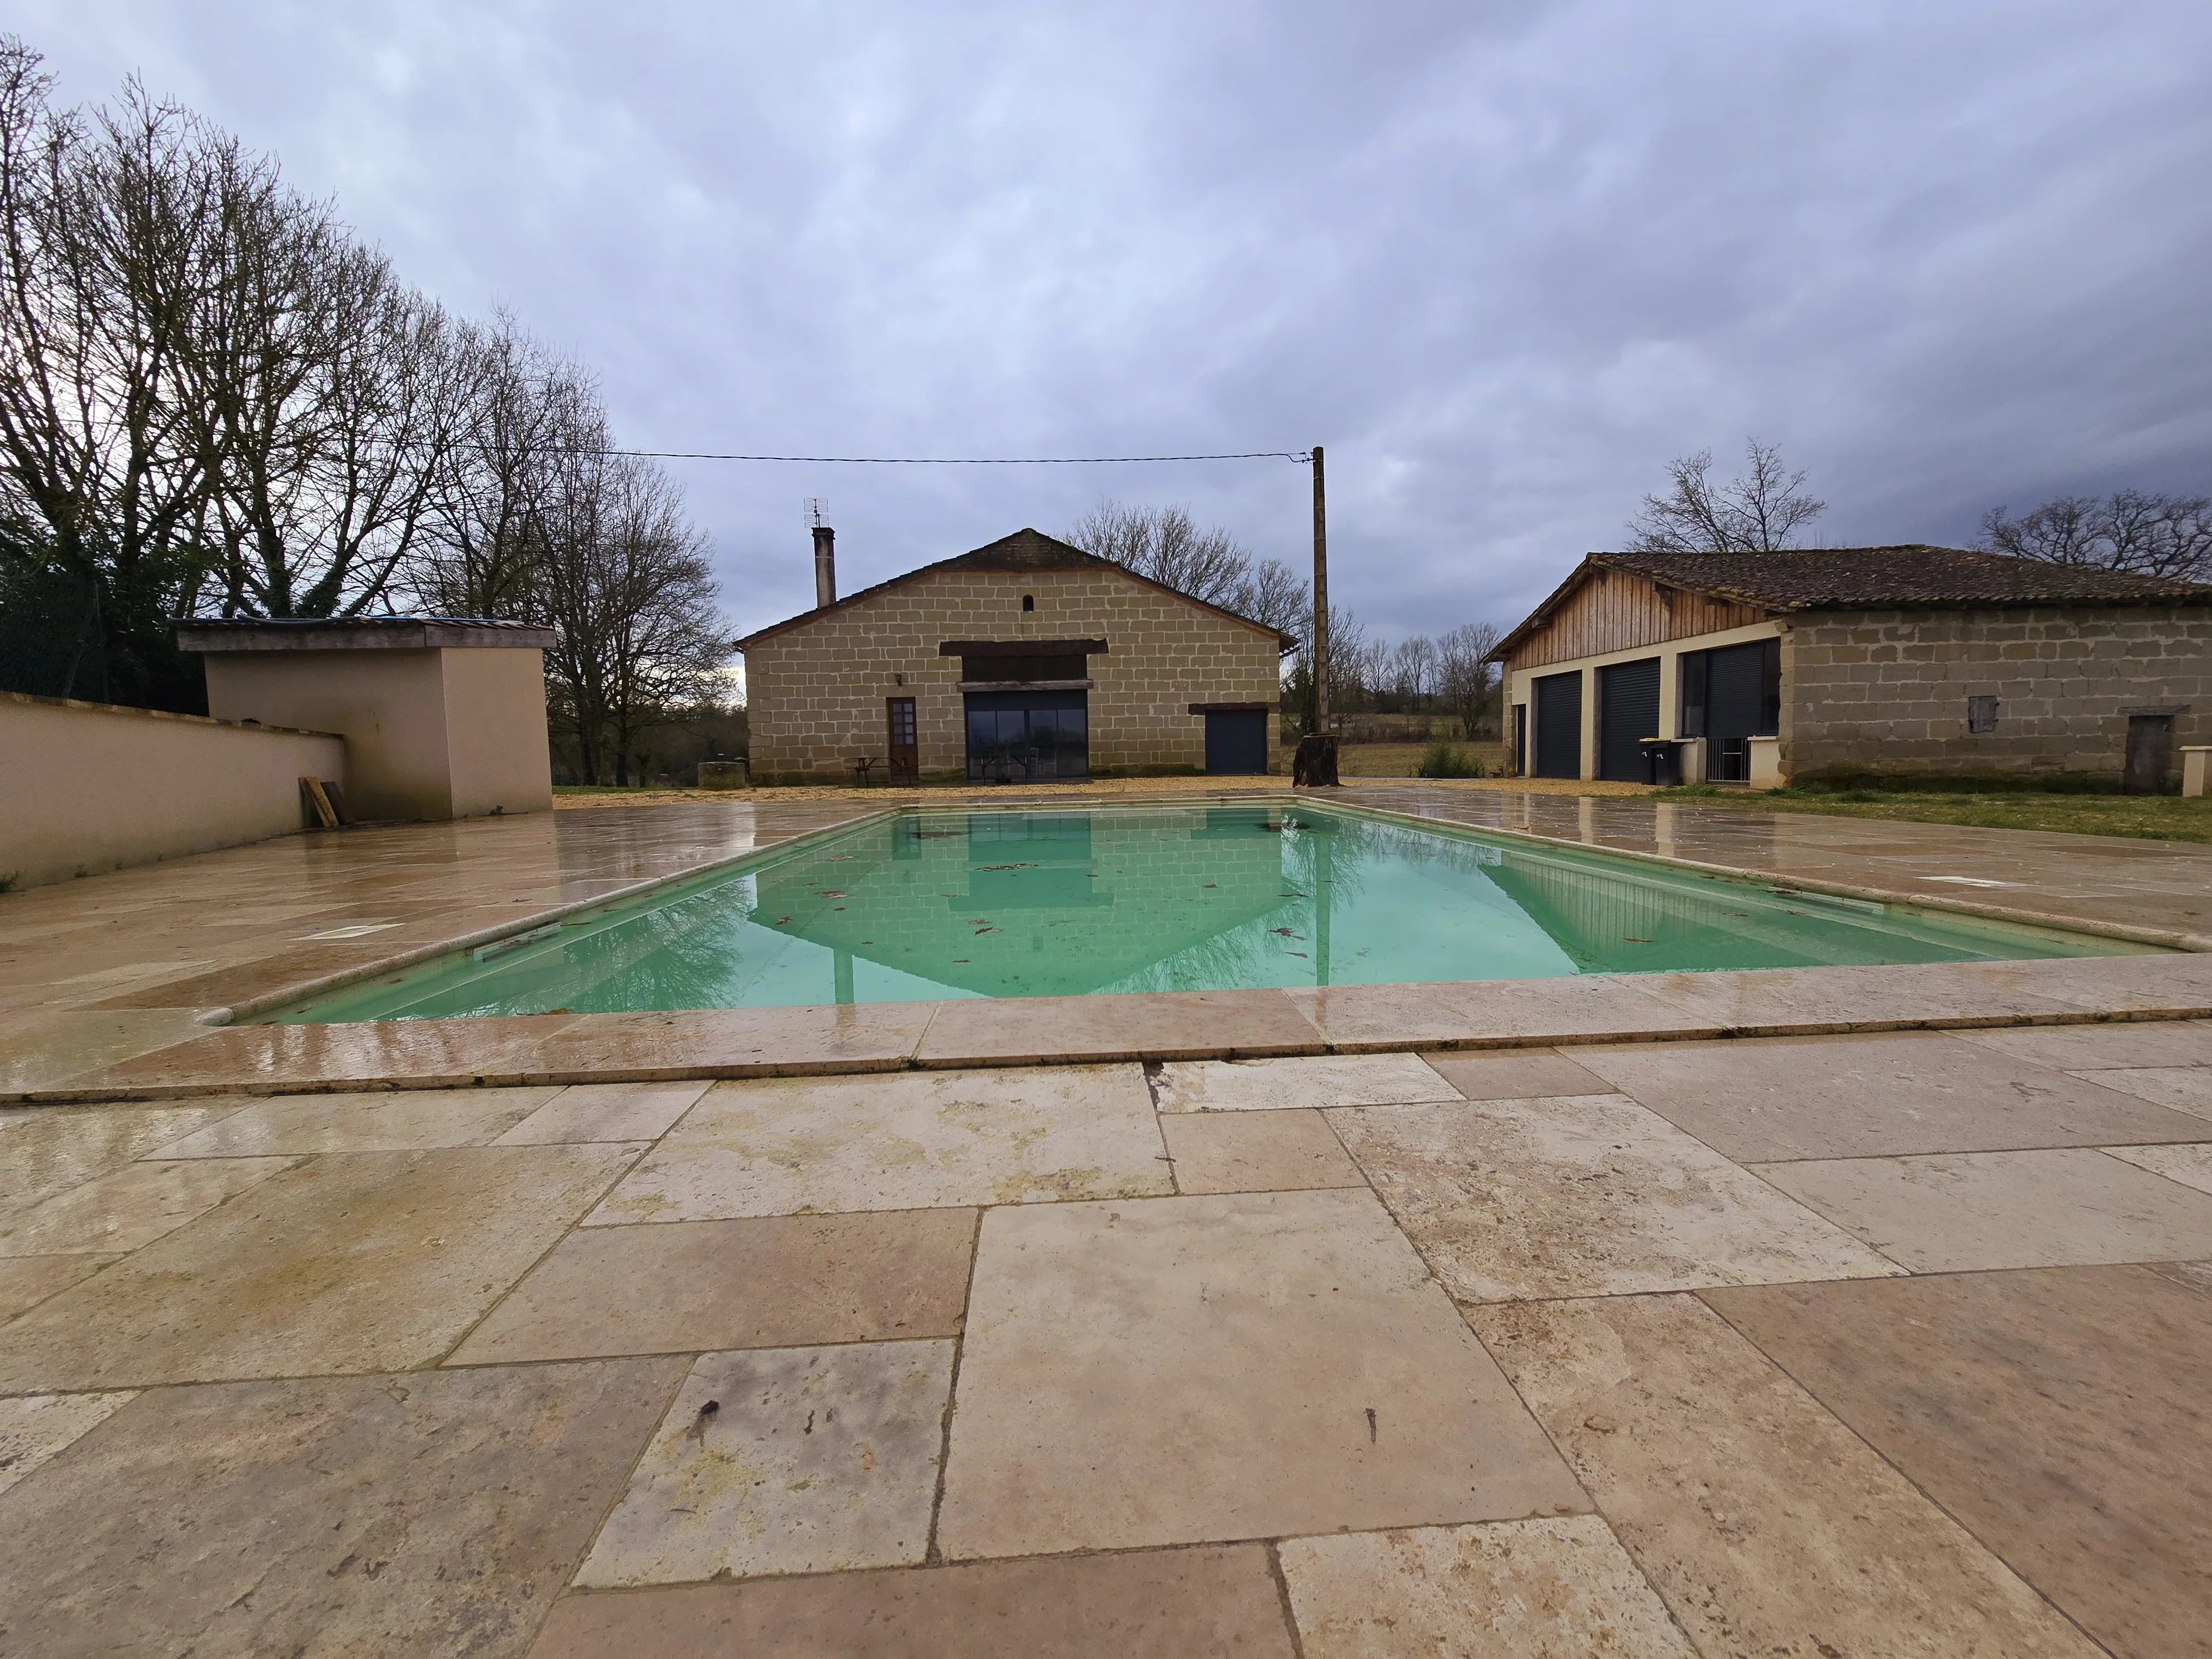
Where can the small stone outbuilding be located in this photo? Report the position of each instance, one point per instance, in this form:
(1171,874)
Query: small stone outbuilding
(1025,660)
(1764,668)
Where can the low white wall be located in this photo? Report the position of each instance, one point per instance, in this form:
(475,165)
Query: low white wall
(92,788)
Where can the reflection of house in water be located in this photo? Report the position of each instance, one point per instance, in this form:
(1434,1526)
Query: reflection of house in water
(1019,904)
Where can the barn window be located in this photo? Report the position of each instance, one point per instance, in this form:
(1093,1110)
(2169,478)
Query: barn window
(1981,713)
(1029,601)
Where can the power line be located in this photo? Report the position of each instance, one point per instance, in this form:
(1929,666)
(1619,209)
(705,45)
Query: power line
(957,460)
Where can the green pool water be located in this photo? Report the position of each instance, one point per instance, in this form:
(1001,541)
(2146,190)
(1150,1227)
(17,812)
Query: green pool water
(1049,903)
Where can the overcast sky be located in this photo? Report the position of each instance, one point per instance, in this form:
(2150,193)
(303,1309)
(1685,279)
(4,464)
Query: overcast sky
(1947,254)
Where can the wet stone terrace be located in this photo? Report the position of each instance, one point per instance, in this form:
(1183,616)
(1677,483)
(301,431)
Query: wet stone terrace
(1872,1341)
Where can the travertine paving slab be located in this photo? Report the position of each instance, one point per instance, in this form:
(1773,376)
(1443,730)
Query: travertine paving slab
(2195,1275)
(1231,1086)
(606,1111)
(387,1120)
(1778,1001)
(45,1149)
(779,1282)
(1256,1152)
(1357,1019)
(1560,1588)
(428,1514)
(2107,1043)
(1768,1527)
(784,1459)
(2183,1088)
(132,1207)
(730,1042)
(26,1280)
(2061,1414)
(372,1262)
(429,1054)
(1199,1603)
(1150,1025)
(902,1142)
(2177,983)
(1590,1196)
(1870,1096)
(1518,1074)
(2190,1165)
(1245,1366)
(44,1050)
(1978,1210)
(35,1427)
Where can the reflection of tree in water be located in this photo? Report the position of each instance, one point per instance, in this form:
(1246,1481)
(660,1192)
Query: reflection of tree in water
(684,954)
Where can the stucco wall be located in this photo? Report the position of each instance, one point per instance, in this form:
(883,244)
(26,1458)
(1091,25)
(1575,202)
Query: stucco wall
(497,751)
(431,733)
(93,787)
(1887,690)
(815,694)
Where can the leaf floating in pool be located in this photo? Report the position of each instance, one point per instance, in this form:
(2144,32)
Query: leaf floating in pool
(1286,932)
(1631,940)
(783,922)
(1296,895)
(980,932)
(1210,884)
(1005,867)
(832,892)
(1299,954)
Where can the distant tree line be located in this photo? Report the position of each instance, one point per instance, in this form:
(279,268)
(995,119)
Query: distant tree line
(1448,676)
(216,400)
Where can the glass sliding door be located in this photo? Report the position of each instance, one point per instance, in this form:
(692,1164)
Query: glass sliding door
(1016,736)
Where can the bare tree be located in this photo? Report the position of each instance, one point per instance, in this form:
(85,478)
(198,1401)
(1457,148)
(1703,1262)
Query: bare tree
(1273,593)
(1760,512)
(522,412)
(627,586)
(328,389)
(108,228)
(1466,679)
(1165,544)
(1413,671)
(2144,533)
(214,396)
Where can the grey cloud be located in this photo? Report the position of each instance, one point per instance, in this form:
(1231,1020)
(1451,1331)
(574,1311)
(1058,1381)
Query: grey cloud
(1503,261)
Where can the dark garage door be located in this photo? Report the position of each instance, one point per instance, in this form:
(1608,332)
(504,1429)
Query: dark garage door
(1559,725)
(1627,713)
(1235,740)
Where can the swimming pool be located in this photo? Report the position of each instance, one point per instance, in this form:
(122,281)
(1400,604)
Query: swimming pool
(1015,903)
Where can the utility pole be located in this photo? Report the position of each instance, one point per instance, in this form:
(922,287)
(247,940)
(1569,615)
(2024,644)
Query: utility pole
(1321,600)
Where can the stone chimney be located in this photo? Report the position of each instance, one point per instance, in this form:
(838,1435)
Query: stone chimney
(825,567)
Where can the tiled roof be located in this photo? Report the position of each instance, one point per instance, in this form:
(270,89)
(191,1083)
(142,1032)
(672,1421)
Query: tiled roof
(1910,577)
(1848,578)
(1025,550)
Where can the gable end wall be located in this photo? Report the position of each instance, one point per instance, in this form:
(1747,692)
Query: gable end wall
(816,693)
(1615,610)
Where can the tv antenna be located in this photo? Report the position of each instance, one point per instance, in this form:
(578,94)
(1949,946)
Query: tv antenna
(815,506)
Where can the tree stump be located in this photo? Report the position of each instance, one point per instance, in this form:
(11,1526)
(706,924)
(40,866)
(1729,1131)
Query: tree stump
(1314,767)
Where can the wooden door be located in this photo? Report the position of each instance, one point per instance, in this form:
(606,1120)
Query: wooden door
(905,755)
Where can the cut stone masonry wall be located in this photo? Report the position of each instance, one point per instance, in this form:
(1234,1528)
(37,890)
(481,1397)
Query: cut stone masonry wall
(816,693)
(1887,691)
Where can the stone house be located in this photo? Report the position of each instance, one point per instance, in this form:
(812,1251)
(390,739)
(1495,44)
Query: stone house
(1024,660)
(1762,668)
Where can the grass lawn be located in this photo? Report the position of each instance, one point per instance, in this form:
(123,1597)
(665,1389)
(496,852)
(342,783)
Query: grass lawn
(2159,818)
(1403,760)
